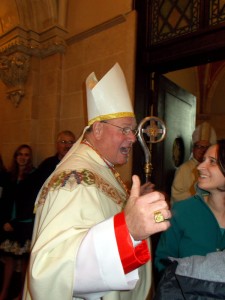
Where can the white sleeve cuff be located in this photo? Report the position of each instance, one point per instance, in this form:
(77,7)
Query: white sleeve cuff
(98,266)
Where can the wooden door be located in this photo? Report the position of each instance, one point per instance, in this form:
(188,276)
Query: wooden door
(177,108)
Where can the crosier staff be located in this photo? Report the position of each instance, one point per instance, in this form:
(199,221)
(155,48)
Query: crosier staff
(156,131)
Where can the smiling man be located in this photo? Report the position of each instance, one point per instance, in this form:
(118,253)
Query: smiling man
(91,234)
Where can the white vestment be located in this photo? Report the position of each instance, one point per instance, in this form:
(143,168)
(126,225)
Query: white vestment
(185,178)
(74,212)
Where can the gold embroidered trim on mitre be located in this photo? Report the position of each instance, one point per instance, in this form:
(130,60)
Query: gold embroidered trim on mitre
(111,116)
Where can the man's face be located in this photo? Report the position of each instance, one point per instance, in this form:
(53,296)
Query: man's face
(199,149)
(114,144)
(63,145)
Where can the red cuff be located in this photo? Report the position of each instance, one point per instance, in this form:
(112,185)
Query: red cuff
(131,258)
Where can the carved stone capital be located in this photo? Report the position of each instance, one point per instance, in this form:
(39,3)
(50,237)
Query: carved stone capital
(16,48)
(42,44)
(14,71)
(15,96)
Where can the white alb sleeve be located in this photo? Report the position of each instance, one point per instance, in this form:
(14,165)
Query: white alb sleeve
(98,267)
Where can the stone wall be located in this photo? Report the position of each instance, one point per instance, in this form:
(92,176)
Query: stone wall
(64,43)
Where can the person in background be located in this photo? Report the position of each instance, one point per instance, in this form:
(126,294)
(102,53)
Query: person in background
(64,141)
(16,220)
(90,237)
(186,175)
(198,223)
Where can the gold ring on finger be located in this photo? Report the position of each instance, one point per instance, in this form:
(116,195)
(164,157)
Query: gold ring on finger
(158,216)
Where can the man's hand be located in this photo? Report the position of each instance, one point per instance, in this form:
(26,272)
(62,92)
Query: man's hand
(139,212)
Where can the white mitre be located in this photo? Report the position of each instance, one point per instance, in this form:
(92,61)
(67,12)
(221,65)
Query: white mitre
(108,98)
(204,132)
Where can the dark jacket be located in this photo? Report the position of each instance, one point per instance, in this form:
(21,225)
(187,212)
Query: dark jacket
(194,278)
(46,168)
(38,177)
(16,208)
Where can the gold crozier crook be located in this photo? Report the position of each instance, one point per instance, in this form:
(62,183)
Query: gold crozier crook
(156,131)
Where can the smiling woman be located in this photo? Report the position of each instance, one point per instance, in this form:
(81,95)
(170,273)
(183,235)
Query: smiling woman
(198,223)
(201,276)
(16,219)
(211,170)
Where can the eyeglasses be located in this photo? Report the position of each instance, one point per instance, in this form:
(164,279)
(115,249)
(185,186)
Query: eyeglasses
(201,147)
(125,130)
(66,142)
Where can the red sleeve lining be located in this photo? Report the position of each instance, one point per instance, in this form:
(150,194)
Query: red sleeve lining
(131,258)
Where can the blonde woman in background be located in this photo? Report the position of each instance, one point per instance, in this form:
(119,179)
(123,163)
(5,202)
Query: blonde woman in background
(16,220)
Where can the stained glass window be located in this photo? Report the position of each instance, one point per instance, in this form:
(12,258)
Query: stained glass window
(217,12)
(172,18)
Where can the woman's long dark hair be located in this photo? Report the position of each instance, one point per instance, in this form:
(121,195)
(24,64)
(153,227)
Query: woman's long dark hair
(2,167)
(14,170)
(221,158)
(221,155)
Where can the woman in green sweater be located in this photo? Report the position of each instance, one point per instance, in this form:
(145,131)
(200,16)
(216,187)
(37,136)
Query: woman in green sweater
(198,223)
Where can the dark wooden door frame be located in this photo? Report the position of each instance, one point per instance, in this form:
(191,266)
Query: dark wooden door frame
(195,50)
(205,45)
(198,48)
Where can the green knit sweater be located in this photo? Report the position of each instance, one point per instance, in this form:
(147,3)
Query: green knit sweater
(194,231)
